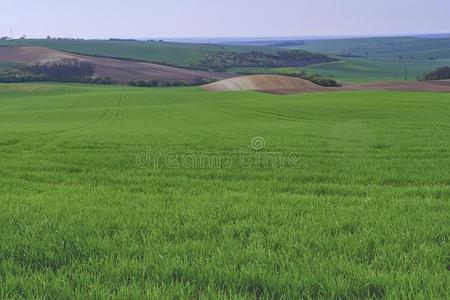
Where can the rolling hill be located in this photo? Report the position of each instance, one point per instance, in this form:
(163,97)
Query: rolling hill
(120,70)
(363,60)
(270,83)
(363,70)
(179,54)
(393,47)
(185,55)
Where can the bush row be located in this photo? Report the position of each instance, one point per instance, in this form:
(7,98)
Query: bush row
(439,74)
(157,83)
(221,61)
(61,70)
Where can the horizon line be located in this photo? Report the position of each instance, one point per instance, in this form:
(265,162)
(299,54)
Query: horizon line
(260,38)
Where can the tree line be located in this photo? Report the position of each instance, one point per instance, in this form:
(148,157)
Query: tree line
(79,71)
(59,70)
(440,74)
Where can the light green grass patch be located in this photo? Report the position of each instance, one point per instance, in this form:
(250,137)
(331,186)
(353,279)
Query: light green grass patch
(363,70)
(93,207)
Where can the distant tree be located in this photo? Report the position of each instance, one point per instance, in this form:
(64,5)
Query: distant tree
(65,69)
(15,75)
(440,74)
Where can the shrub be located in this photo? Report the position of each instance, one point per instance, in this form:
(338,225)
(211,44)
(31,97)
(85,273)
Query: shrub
(155,83)
(65,69)
(220,61)
(15,75)
(439,74)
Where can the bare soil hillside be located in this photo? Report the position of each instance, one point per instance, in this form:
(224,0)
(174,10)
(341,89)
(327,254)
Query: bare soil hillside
(264,83)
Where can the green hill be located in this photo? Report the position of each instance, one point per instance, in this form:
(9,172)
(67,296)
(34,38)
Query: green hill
(387,47)
(374,59)
(180,54)
(363,70)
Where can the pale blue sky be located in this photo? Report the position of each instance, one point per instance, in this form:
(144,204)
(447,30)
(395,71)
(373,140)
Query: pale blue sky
(225,18)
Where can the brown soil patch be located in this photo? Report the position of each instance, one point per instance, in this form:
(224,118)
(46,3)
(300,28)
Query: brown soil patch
(120,70)
(265,83)
(30,54)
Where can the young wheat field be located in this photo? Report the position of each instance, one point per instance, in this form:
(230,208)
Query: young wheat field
(115,192)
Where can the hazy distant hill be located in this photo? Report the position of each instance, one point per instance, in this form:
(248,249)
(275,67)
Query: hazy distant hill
(407,47)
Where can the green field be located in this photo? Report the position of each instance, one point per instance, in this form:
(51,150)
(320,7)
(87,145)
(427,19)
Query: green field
(387,57)
(181,54)
(360,70)
(387,47)
(113,192)
(384,58)
(363,70)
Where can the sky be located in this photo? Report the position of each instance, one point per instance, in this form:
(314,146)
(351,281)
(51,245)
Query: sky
(224,18)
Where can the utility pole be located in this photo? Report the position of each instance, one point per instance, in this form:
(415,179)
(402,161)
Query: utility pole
(406,75)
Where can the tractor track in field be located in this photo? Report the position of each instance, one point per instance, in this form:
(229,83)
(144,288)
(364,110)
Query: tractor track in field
(109,116)
(272,115)
(119,108)
(8,117)
(58,135)
(103,116)
(75,103)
